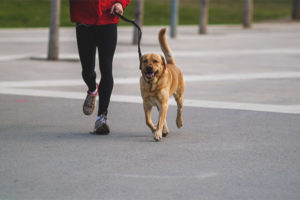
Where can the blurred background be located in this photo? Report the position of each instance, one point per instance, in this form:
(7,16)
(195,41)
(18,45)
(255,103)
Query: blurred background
(36,13)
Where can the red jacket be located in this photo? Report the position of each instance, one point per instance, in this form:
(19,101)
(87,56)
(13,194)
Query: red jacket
(94,12)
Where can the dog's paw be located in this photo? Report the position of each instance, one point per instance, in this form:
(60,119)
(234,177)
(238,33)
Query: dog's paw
(165,131)
(157,137)
(179,122)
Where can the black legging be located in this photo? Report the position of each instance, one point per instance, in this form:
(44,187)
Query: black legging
(104,37)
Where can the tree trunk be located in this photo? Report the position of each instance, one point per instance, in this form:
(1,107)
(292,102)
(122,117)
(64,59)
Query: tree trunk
(296,10)
(138,15)
(53,45)
(248,13)
(203,21)
(174,18)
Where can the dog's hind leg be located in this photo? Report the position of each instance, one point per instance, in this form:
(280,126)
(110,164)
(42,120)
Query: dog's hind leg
(148,111)
(179,100)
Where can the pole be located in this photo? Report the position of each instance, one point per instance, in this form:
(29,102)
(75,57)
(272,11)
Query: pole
(174,18)
(248,13)
(138,15)
(296,10)
(53,45)
(204,11)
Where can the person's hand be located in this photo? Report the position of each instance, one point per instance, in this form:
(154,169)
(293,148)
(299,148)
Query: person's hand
(118,8)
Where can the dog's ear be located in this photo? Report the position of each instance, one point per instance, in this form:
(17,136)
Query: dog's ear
(163,60)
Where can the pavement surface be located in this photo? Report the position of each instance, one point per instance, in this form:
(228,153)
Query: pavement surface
(240,140)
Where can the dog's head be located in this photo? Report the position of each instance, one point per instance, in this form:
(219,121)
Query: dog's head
(152,66)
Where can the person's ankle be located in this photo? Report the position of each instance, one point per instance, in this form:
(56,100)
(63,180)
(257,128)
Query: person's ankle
(95,91)
(101,117)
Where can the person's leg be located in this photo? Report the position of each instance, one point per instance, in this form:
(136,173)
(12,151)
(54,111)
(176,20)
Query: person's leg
(106,48)
(106,42)
(86,43)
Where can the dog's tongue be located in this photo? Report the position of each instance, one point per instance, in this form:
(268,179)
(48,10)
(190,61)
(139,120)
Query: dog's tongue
(150,75)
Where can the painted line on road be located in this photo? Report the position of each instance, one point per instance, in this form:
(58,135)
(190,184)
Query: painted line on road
(184,54)
(34,39)
(207,53)
(243,76)
(13,57)
(139,176)
(213,147)
(287,109)
(237,52)
(126,36)
(135,80)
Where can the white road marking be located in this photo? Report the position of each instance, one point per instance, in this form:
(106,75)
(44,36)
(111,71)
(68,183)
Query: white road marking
(135,80)
(183,54)
(244,76)
(287,109)
(21,88)
(138,176)
(71,38)
(13,57)
(126,36)
(210,53)
(69,82)
(213,147)
(34,39)
(235,52)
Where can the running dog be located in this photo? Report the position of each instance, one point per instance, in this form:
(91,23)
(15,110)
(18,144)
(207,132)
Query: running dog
(160,79)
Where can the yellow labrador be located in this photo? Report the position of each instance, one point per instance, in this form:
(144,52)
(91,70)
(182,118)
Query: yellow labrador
(160,79)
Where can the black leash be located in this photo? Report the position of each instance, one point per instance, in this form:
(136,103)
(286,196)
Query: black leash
(139,32)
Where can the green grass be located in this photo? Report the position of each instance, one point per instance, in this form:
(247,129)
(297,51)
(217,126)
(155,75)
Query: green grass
(36,13)
(230,11)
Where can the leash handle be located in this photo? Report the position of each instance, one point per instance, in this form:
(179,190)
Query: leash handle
(139,31)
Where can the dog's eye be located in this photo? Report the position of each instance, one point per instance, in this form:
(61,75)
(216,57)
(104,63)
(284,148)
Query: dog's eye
(155,61)
(145,61)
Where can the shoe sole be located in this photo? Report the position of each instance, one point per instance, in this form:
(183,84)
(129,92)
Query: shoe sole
(102,130)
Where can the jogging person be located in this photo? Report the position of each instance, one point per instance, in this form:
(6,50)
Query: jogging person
(96,28)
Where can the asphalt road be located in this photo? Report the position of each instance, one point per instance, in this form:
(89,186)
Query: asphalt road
(240,140)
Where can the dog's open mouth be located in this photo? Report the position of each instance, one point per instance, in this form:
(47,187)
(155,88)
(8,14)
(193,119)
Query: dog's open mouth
(150,76)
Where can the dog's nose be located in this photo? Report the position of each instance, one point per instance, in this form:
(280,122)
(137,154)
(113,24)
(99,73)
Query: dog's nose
(149,69)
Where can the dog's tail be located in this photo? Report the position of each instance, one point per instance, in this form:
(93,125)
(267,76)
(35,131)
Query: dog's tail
(165,47)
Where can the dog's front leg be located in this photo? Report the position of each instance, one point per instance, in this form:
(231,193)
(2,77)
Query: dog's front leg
(148,110)
(161,121)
